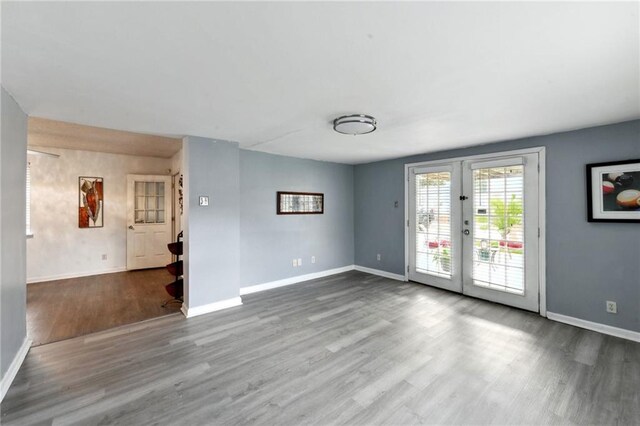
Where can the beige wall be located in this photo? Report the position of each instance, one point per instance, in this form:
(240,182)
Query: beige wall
(176,162)
(59,248)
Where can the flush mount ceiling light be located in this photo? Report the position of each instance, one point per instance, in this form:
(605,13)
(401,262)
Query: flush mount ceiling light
(355,124)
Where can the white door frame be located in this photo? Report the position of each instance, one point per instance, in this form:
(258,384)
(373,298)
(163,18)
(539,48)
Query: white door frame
(542,265)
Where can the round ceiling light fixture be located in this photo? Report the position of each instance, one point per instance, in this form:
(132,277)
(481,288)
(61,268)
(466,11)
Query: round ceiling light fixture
(355,124)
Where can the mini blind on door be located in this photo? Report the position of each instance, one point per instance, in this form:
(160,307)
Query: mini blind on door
(433,223)
(498,217)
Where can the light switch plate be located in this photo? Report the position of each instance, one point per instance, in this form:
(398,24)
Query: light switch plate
(204,201)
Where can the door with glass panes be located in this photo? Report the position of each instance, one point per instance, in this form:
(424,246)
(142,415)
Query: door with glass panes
(434,225)
(473,228)
(148,221)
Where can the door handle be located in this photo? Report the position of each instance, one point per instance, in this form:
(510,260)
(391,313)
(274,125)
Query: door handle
(466,232)
(131,227)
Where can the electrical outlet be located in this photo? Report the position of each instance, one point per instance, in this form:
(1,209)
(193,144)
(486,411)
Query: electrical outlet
(612,307)
(295,262)
(104,257)
(299,262)
(379,257)
(204,200)
(313,259)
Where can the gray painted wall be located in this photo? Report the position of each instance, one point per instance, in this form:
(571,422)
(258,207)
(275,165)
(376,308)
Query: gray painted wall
(13,272)
(238,240)
(270,242)
(212,237)
(587,263)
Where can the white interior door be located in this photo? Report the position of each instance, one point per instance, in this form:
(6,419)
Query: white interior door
(434,226)
(500,248)
(148,221)
(474,228)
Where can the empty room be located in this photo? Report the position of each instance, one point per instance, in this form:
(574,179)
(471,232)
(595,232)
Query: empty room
(286,213)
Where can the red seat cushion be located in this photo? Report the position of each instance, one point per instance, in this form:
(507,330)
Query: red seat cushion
(511,244)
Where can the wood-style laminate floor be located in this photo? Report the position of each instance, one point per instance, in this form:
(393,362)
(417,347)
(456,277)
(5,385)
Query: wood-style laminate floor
(347,349)
(62,309)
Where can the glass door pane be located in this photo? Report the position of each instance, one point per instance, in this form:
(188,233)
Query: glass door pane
(149,202)
(498,237)
(434,226)
(433,219)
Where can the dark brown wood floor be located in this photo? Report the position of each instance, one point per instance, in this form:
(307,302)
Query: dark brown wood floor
(62,309)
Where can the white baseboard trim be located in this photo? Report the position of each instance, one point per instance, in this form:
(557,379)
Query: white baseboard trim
(379,273)
(211,307)
(293,280)
(75,275)
(594,326)
(14,367)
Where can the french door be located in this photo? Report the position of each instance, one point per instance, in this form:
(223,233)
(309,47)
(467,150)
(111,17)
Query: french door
(474,228)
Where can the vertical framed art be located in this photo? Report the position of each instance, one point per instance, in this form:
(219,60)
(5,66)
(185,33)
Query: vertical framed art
(90,202)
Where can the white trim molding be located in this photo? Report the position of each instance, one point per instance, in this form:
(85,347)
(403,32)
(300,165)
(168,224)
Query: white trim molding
(211,307)
(14,367)
(542,225)
(594,326)
(294,280)
(380,273)
(75,275)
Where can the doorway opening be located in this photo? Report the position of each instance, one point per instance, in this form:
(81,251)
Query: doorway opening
(101,216)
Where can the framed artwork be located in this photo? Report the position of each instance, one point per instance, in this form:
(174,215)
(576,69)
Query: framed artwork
(299,203)
(613,191)
(91,202)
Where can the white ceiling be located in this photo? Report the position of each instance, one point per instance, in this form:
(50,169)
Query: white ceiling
(273,75)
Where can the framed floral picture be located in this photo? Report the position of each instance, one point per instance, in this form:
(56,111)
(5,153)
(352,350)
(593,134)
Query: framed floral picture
(613,191)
